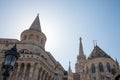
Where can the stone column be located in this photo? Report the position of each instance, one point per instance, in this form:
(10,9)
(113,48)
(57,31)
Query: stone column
(23,75)
(13,72)
(48,78)
(44,76)
(31,71)
(41,75)
(18,70)
(36,72)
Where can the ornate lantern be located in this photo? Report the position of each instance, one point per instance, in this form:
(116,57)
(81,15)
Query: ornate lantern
(10,59)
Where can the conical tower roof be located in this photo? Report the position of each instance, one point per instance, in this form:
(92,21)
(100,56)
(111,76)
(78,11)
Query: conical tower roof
(69,69)
(36,24)
(81,52)
(98,52)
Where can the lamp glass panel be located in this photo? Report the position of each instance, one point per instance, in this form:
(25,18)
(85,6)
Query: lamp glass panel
(8,59)
(13,61)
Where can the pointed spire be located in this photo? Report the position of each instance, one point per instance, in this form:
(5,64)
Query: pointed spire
(36,24)
(69,70)
(81,52)
(70,67)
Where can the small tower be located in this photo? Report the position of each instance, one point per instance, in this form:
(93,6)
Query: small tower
(81,58)
(34,34)
(70,74)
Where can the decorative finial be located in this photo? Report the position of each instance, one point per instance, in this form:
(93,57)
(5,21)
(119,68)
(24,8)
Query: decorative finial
(37,14)
(69,63)
(95,42)
(80,38)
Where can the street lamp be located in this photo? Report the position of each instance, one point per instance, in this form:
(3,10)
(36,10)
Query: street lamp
(10,59)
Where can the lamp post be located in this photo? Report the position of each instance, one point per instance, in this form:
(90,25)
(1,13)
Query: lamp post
(10,59)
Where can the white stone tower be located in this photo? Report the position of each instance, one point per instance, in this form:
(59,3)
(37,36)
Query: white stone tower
(34,63)
(34,34)
(81,58)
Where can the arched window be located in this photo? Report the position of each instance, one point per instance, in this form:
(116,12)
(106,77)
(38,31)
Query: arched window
(93,68)
(101,69)
(24,37)
(108,67)
(31,37)
(37,38)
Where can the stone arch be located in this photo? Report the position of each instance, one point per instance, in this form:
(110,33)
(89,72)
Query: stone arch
(37,38)
(31,37)
(24,37)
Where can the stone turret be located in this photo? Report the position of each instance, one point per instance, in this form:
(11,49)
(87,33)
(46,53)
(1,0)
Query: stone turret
(34,34)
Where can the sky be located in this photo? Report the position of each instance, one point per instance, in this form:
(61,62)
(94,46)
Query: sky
(64,22)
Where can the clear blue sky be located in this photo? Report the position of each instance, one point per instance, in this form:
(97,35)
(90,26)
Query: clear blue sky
(64,22)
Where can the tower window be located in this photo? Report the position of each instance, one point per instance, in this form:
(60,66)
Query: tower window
(108,67)
(24,37)
(37,38)
(31,36)
(93,68)
(101,69)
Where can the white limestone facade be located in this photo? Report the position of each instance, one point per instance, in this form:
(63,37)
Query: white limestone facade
(34,63)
